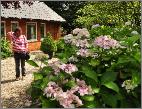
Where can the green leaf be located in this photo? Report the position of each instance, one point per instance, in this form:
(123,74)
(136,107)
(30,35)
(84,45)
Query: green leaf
(132,40)
(137,56)
(112,85)
(88,97)
(37,84)
(37,76)
(136,78)
(96,90)
(47,103)
(31,62)
(110,100)
(46,70)
(94,62)
(35,92)
(44,83)
(71,83)
(89,73)
(54,78)
(108,76)
(89,104)
(125,59)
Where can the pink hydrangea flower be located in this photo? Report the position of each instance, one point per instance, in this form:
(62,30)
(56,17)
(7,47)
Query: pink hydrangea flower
(55,64)
(106,42)
(69,68)
(82,88)
(83,52)
(82,43)
(83,33)
(52,90)
(67,100)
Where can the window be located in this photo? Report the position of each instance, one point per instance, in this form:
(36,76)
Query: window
(42,30)
(31,31)
(14,24)
(3,29)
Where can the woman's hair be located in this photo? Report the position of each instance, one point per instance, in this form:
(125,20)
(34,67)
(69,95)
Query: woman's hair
(17,29)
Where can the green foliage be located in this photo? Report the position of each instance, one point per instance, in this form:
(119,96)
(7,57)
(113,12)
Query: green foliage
(110,13)
(60,45)
(89,73)
(88,98)
(123,33)
(31,62)
(112,86)
(48,45)
(5,48)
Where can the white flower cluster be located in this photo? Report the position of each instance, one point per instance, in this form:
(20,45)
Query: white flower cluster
(68,38)
(95,26)
(81,32)
(73,59)
(129,85)
(134,32)
(128,23)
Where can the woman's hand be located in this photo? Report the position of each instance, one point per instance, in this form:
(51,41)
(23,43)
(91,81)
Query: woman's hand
(10,33)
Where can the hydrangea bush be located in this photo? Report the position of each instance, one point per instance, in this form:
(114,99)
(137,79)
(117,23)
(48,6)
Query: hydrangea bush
(91,71)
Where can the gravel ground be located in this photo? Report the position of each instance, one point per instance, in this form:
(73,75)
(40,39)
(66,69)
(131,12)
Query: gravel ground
(13,93)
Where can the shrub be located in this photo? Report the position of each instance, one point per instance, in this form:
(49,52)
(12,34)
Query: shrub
(48,45)
(91,73)
(60,45)
(5,48)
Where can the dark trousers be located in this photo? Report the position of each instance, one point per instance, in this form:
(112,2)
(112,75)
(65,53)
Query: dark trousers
(19,60)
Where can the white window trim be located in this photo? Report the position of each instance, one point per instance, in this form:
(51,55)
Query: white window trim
(31,40)
(44,31)
(4,28)
(14,22)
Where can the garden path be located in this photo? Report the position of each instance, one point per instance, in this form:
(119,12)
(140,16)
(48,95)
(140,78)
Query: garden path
(13,93)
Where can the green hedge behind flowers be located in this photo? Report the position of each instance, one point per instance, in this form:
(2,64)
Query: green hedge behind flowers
(99,69)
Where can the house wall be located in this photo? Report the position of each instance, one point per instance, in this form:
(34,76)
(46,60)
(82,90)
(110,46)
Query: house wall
(52,27)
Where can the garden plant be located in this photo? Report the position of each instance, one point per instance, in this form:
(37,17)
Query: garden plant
(48,46)
(5,48)
(99,68)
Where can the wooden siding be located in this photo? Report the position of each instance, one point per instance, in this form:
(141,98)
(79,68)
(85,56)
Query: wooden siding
(52,27)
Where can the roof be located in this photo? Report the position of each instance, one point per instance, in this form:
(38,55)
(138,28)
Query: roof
(38,10)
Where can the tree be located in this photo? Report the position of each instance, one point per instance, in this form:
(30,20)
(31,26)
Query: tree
(67,10)
(107,13)
(16,4)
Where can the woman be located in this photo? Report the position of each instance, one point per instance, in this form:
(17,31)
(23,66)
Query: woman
(19,47)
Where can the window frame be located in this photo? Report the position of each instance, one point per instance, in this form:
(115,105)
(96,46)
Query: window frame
(31,40)
(4,28)
(14,22)
(44,31)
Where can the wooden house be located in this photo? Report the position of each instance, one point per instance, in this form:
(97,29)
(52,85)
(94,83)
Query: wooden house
(35,20)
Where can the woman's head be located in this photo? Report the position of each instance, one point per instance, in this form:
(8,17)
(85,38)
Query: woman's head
(18,31)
